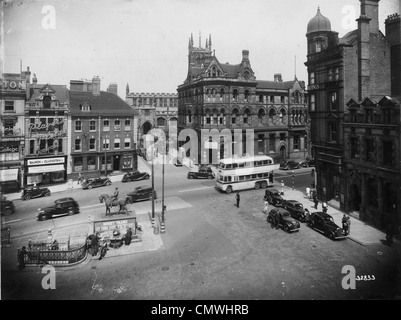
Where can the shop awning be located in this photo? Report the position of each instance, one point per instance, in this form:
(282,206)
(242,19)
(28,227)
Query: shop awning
(8,175)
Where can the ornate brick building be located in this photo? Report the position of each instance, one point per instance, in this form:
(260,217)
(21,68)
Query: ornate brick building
(355,123)
(228,96)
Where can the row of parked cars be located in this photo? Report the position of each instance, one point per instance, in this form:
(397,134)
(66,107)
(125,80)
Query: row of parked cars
(291,212)
(292,164)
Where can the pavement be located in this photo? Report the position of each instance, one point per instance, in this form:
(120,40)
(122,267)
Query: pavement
(361,232)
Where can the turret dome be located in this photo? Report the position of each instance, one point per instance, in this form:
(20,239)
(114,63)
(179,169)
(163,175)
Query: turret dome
(319,23)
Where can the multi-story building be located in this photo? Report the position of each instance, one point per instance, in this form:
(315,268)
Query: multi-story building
(12,106)
(228,96)
(46,125)
(354,132)
(155,110)
(102,131)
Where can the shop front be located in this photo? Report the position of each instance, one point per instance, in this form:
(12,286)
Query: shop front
(9,180)
(45,171)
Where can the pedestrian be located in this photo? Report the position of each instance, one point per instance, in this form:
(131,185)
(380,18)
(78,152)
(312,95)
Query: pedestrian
(128,237)
(346,224)
(307,215)
(266,206)
(316,201)
(237,197)
(79,178)
(103,249)
(95,244)
(324,207)
(277,220)
(308,192)
(21,258)
(271,216)
(389,234)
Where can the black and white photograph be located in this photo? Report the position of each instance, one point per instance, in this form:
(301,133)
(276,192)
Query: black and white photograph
(200,155)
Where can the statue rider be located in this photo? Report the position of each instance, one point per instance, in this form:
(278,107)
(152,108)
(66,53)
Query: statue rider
(115,195)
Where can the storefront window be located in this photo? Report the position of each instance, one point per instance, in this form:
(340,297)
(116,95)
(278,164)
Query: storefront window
(57,176)
(91,163)
(78,164)
(127,162)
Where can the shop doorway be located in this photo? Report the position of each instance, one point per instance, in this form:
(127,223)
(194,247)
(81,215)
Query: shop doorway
(116,163)
(355,198)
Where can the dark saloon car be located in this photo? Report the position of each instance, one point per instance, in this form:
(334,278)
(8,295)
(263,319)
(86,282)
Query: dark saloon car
(273,197)
(324,223)
(202,173)
(142,193)
(95,182)
(135,176)
(34,192)
(307,163)
(296,209)
(61,207)
(289,165)
(7,207)
(285,221)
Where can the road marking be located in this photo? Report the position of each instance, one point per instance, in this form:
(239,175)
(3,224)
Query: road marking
(11,221)
(195,189)
(93,205)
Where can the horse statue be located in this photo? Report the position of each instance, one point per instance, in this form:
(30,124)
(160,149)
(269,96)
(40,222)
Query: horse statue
(121,202)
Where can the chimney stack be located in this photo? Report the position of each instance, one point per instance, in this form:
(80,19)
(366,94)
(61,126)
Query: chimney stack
(96,86)
(370,9)
(393,34)
(278,77)
(245,55)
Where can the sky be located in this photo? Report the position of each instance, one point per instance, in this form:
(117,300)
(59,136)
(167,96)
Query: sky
(145,42)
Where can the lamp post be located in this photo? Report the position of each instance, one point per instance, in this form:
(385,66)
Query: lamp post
(153,189)
(105,157)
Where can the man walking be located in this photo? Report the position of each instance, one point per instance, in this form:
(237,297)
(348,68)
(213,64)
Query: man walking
(316,201)
(346,224)
(237,197)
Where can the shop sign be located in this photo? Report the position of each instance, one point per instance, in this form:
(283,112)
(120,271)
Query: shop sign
(37,162)
(56,167)
(8,175)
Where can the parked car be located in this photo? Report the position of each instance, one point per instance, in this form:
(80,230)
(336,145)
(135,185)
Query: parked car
(142,193)
(95,182)
(273,197)
(202,173)
(324,223)
(307,163)
(285,222)
(178,162)
(34,192)
(289,165)
(7,207)
(296,209)
(61,207)
(135,176)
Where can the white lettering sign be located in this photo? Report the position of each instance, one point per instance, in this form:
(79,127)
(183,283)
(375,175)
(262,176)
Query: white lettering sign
(37,162)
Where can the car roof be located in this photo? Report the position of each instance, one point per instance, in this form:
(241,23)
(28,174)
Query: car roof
(143,187)
(293,201)
(64,199)
(272,190)
(322,214)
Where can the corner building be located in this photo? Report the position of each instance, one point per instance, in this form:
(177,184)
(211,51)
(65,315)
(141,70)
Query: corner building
(228,96)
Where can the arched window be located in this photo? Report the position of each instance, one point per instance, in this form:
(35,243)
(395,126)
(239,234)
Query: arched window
(215,116)
(261,115)
(161,122)
(272,113)
(208,116)
(247,114)
(282,115)
(189,115)
(234,116)
(222,116)
(47,101)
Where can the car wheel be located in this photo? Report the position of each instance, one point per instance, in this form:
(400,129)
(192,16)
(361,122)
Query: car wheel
(209,177)
(229,189)
(332,236)
(147,177)
(286,228)
(310,224)
(264,185)
(43,217)
(47,194)
(27,197)
(269,219)
(108,183)
(90,186)
(257,185)
(71,211)
(7,212)
(190,177)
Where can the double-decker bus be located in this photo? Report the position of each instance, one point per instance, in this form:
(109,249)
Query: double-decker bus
(245,173)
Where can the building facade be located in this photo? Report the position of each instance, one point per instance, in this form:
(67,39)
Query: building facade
(46,126)
(102,131)
(155,110)
(264,117)
(350,80)
(13,90)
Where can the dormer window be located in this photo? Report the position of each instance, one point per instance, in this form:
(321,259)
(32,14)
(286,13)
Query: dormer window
(85,107)
(47,101)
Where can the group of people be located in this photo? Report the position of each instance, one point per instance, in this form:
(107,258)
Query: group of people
(275,219)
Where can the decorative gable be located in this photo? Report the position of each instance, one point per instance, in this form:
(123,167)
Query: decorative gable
(214,69)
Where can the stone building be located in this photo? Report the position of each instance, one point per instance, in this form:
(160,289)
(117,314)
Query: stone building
(155,110)
(350,81)
(13,90)
(102,131)
(217,96)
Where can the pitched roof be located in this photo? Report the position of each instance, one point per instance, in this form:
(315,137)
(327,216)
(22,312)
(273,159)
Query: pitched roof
(232,70)
(60,91)
(268,84)
(106,103)
(350,37)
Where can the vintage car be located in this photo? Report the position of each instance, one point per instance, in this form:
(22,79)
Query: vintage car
(307,163)
(324,223)
(285,222)
(61,207)
(289,165)
(34,192)
(7,207)
(296,209)
(273,197)
(202,173)
(95,182)
(142,193)
(135,176)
